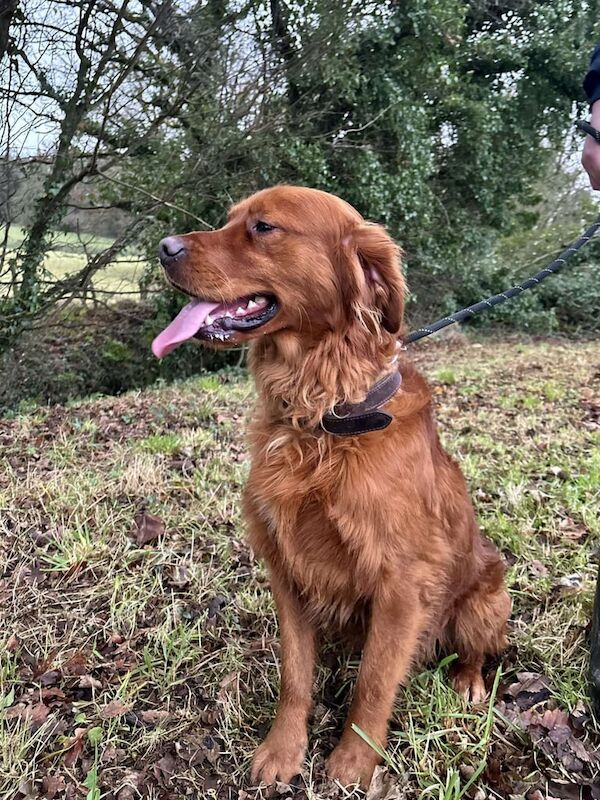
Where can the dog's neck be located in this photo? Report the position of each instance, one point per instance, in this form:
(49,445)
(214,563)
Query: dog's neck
(299,383)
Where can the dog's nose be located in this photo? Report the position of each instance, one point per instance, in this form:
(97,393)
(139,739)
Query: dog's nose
(170,250)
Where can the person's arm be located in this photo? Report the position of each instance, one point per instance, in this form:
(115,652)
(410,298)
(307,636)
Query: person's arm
(590,157)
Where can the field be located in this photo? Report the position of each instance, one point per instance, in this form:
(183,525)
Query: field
(69,253)
(138,642)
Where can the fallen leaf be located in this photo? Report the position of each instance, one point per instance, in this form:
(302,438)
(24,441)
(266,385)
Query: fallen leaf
(114,709)
(229,683)
(538,569)
(564,790)
(579,716)
(154,716)
(32,575)
(164,768)
(75,747)
(89,682)
(12,644)
(560,734)
(52,695)
(147,527)
(109,754)
(384,786)
(535,795)
(17,711)
(52,785)
(132,783)
(530,688)
(39,714)
(26,789)
(209,715)
(572,530)
(50,678)
(43,666)
(180,576)
(214,608)
(75,665)
(554,718)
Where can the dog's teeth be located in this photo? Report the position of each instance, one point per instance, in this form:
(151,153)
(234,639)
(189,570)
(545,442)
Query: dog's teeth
(261,300)
(251,305)
(240,310)
(209,320)
(228,314)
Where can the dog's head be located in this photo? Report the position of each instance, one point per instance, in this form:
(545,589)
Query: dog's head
(288,258)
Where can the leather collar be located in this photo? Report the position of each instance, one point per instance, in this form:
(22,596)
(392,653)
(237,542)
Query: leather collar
(348,419)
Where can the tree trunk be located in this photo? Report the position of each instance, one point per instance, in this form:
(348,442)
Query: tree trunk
(7,10)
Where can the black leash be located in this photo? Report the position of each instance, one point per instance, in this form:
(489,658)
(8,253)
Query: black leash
(551,269)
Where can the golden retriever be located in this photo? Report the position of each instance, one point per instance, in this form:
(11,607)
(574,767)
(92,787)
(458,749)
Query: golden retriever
(367,533)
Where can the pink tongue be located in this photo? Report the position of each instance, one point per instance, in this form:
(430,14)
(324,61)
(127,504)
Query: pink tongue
(189,320)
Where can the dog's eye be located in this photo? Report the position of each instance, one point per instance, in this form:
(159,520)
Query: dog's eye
(262,227)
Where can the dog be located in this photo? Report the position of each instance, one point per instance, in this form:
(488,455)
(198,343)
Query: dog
(362,518)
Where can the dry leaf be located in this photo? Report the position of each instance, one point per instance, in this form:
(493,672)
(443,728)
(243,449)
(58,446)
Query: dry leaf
(88,682)
(52,785)
(50,678)
(164,768)
(114,709)
(384,786)
(153,717)
(147,527)
(132,783)
(572,530)
(538,569)
(17,711)
(75,665)
(75,747)
(530,689)
(554,718)
(180,576)
(39,714)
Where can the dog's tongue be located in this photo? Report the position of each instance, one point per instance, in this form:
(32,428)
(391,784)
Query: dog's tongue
(189,320)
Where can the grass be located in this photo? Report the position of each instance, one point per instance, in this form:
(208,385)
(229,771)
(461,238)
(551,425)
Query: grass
(67,256)
(149,668)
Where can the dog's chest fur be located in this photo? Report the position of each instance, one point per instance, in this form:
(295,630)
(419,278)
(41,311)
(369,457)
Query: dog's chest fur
(323,520)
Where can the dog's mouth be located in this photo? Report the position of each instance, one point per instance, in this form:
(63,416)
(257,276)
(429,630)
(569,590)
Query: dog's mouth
(209,320)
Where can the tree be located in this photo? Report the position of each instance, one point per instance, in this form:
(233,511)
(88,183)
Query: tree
(435,117)
(69,82)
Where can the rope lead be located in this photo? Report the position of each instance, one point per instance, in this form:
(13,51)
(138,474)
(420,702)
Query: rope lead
(484,305)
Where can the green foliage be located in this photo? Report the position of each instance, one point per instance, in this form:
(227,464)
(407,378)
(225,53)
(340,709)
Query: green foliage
(84,352)
(435,117)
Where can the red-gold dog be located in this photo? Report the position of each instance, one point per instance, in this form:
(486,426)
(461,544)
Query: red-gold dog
(367,532)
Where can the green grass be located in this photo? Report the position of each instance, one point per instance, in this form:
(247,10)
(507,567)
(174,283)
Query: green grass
(161,659)
(67,256)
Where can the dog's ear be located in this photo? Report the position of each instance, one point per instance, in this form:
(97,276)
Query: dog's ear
(375,272)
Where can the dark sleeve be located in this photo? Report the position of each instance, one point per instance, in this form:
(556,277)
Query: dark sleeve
(591,84)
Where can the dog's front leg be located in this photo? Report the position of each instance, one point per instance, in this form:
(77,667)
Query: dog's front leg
(281,755)
(394,630)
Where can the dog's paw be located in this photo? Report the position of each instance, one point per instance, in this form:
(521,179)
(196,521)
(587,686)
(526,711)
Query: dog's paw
(277,760)
(468,683)
(352,762)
